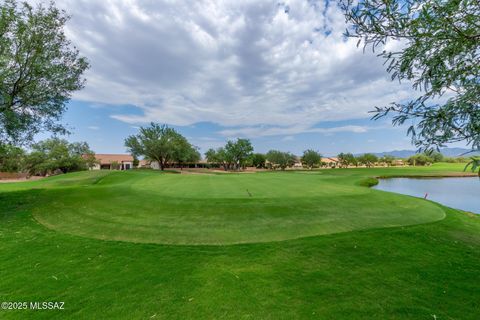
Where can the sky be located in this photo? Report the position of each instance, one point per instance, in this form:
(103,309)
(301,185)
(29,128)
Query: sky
(280,73)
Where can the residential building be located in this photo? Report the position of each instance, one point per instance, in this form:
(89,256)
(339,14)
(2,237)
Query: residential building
(113,162)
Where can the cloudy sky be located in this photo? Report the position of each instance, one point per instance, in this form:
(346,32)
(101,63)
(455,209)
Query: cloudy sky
(278,72)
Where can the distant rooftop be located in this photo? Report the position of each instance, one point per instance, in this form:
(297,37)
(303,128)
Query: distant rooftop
(106,158)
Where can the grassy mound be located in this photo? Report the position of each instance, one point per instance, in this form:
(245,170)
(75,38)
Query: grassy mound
(220,209)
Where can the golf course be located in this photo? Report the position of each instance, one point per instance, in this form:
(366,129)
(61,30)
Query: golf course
(319,244)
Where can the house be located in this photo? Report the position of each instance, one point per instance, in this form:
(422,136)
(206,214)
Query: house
(398,162)
(298,163)
(113,162)
(330,162)
(144,164)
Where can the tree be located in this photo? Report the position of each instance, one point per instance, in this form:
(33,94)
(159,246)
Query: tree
(58,155)
(218,157)
(11,158)
(347,159)
(475,164)
(186,153)
(435,156)
(419,160)
(387,159)
(368,159)
(158,143)
(212,156)
(280,159)
(234,155)
(258,160)
(39,70)
(311,158)
(136,162)
(439,54)
(237,152)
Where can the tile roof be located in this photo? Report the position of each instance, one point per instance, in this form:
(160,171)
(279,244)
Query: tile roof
(109,158)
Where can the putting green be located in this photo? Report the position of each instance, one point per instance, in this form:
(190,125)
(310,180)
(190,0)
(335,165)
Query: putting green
(151,207)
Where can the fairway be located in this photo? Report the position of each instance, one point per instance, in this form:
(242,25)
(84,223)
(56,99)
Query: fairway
(301,245)
(151,207)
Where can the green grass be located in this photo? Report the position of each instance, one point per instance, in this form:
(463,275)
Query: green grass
(223,209)
(304,245)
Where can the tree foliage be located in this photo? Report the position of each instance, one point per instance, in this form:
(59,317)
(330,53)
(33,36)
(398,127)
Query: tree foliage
(233,156)
(387,159)
(186,153)
(215,156)
(474,163)
(239,151)
(439,54)
(368,159)
(420,159)
(11,158)
(258,160)
(435,156)
(280,159)
(347,159)
(311,158)
(39,70)
(162,144)
(58,155)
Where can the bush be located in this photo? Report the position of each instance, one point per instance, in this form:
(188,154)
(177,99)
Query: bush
(369,182)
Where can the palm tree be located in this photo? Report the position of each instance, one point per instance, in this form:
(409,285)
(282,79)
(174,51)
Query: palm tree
(475,163)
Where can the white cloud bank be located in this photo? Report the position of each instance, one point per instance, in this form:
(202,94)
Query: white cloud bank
(268,67)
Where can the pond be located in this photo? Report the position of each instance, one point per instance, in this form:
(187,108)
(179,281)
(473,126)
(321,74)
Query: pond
(460,193)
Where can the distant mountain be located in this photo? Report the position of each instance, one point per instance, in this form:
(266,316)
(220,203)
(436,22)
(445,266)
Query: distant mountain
(448,152)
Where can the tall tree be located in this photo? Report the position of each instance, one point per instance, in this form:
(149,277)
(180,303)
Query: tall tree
(420,159)
(238,152)
(347,159)
(258,160)
(387,159)
(280,159)
(158,143)
(219,157)
(368,159)
(234,155)
(186,153)
(39,70)
(311,158)
(439,53)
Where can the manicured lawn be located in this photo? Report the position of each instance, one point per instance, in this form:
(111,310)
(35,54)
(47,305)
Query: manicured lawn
(295,245)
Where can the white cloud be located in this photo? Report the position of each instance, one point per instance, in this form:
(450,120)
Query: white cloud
(250,132)
(247,65)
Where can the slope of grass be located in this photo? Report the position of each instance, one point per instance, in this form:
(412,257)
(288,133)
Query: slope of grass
(405,272)
(222,209)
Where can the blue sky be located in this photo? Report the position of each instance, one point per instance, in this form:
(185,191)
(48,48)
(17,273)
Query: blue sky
(281,73)
(94,123)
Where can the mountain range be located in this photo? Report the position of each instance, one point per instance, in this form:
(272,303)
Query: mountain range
(447,152)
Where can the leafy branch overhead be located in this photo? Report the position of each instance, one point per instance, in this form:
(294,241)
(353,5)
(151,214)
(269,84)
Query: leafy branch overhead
(39,70)
(439,54)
